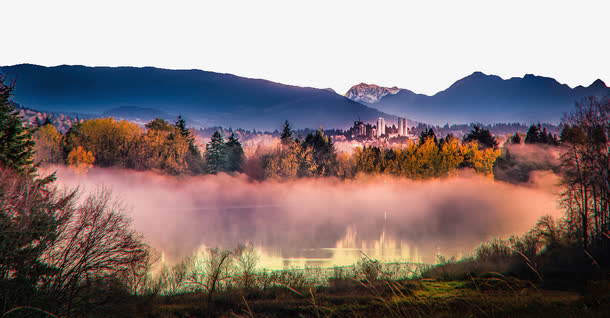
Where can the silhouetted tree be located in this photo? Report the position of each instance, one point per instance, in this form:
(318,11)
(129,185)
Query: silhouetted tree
(585,170)
(32,215)
(483,136)
(427,134)
(234,154)
(286,136)
(515,139)
(538,135)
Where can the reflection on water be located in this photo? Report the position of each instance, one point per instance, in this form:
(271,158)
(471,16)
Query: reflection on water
(347,251)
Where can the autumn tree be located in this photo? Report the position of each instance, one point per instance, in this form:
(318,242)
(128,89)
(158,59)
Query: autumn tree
(290,162)
(112,142)
(165,147)
(80,159)
(323,151)
(49,144)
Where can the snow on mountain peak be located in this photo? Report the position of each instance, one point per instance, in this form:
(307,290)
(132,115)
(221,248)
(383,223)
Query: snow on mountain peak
(369,93)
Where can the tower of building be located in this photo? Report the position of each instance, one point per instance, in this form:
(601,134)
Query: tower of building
(402,126)
(400,130)
(380,127)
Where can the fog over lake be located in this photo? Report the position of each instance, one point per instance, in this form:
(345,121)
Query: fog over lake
(323,222)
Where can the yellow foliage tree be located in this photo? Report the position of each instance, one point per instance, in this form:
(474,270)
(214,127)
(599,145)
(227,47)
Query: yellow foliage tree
(112,142)
(80,159)
(166,150)
(290,162)
(481,161)
(49,144)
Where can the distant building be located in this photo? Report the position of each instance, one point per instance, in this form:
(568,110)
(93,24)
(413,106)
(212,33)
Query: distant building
(359,129)
(380,127)
(402,126)
(400,129)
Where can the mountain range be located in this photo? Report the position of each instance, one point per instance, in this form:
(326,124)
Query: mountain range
(212,99)
(203,98)
(481,98)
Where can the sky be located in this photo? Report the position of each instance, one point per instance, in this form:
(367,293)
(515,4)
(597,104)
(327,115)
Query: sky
(423,46)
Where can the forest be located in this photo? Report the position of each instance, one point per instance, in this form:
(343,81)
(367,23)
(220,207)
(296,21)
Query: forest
(66,253)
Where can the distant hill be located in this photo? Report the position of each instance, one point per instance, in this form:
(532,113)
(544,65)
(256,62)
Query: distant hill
(61,121)
(203,98)
(482,98)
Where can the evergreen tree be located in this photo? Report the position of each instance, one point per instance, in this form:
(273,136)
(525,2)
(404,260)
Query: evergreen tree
(425,134)
(483,136)
(515,139)
(215,156)
(235,154)
(286,136)
(180,125)
(16,141)
(538,135)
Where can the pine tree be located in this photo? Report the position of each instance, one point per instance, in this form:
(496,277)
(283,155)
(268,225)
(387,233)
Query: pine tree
(16,141)
(180,125)
(533,134)
(235,154)
(215,155)
(483,136)
(286,136)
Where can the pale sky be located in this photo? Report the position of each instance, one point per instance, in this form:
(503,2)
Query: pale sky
(423,46)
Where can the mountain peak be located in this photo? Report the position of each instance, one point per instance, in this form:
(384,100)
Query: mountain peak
(369,93)
(598,84)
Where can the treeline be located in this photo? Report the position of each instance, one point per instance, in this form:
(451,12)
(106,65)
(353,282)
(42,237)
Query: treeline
(430,158)
(499,129)
(172,148)
(106,142)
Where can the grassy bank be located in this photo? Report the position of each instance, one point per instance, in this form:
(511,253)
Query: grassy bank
(488,297)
